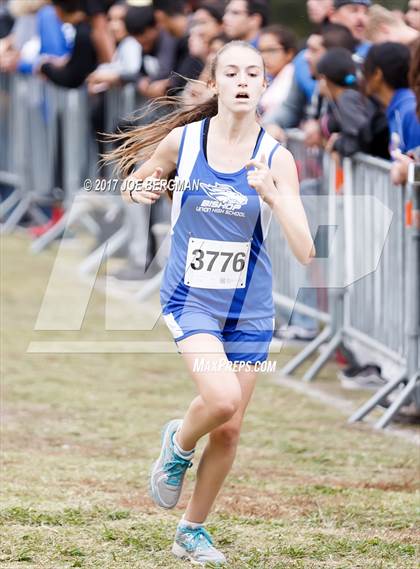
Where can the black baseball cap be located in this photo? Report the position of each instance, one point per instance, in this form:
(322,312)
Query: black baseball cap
(338,66)
(339,3)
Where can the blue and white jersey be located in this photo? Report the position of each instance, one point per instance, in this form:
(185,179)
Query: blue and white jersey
(218,261)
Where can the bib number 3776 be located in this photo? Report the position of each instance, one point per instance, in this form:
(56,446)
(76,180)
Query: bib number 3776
(216,264)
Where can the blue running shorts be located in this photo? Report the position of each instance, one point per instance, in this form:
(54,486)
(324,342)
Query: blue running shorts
(244,340)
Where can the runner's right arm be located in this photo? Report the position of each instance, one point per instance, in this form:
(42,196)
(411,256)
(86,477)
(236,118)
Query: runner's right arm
(162,162)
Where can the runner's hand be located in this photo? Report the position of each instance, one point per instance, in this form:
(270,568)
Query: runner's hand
(261,179)
(146,191)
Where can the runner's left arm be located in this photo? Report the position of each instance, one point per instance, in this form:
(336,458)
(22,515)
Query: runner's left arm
(278,186)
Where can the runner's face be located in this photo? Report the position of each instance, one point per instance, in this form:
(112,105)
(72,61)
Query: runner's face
(240,80)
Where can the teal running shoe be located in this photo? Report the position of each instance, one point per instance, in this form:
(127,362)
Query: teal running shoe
(196,545)
(167,475)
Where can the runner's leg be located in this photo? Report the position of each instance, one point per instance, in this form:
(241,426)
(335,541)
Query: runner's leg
(219,454)
(220,393)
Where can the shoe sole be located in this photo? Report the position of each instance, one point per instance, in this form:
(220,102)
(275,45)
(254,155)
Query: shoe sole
(152,492)
(181,553)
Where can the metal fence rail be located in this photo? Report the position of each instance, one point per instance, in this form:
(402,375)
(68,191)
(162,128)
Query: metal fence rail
(384,290)
(48,149)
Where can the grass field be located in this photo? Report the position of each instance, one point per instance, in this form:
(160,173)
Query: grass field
(81,430)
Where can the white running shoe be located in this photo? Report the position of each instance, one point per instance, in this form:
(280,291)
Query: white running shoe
(196,545)
(167,475)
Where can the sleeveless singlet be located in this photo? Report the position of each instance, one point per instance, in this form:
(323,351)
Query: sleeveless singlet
(218,261)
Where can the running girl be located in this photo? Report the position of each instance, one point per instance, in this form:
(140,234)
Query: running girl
(216,292)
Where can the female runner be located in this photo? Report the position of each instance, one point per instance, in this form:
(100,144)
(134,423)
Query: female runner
(216,292)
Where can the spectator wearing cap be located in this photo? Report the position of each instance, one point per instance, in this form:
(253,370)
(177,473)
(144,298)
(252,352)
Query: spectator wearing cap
(334,35)
(243,19)
(383,26)
(386,78)
(348,109)
(349,13)
(412,16)
(354,14)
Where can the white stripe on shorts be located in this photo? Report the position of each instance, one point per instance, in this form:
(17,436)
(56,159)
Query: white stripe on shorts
(173,325)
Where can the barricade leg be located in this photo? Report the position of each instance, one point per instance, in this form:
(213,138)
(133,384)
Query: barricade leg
(405,394)
(10,202)
(20,210)
(367,407)
(319,363)
(307,351)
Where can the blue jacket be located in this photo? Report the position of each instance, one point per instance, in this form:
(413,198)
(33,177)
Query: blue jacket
(303,75)
(362,49)
(403,123)
(52,39)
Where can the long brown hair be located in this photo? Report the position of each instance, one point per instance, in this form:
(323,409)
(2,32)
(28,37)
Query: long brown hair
(139,143)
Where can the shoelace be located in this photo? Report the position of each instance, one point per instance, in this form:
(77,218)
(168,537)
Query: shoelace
(175,469)
(198,534)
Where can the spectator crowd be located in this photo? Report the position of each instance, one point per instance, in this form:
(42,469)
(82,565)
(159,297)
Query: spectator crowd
(352,85)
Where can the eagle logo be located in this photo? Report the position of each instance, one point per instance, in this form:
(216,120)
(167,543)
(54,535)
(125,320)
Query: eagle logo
(225,194)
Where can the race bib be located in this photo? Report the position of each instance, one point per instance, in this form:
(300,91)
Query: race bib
(216,264)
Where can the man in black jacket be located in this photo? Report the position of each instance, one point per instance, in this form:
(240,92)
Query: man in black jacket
(83,59)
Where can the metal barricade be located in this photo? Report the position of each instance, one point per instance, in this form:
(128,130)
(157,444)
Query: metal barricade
(392,293)
(289,276)
(118,105)
(383,290)
(26,168)
(48,146)
(371,310)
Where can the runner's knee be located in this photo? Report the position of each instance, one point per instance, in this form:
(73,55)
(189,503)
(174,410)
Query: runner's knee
(224,408)
(226,435)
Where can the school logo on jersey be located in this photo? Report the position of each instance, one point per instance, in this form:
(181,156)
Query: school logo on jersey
(224,199)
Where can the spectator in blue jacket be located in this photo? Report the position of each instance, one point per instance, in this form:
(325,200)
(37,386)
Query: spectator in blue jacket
(83,59)
(53,41)
(386,78)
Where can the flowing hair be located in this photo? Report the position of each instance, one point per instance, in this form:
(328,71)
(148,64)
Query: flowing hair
(139,143)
